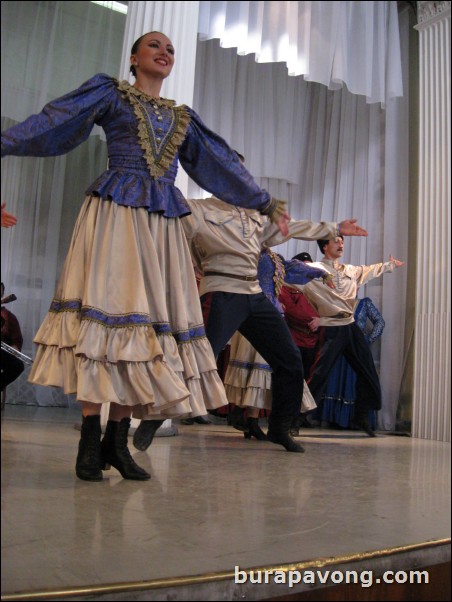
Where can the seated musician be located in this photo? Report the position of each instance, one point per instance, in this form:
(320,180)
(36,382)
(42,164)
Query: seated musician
(12,366)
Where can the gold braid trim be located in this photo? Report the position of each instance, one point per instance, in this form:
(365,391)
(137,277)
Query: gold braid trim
(157,164)
(279,273)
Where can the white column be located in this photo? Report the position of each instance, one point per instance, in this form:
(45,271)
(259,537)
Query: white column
(432,361)
(179,22)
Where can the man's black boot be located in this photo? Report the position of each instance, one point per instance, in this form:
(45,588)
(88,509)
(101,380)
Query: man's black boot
(279,432)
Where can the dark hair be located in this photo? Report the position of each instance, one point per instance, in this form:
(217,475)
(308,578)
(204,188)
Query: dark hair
(135,47)
(322,243)
(303,257)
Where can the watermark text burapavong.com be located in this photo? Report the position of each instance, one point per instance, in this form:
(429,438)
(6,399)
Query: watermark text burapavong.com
(326,577)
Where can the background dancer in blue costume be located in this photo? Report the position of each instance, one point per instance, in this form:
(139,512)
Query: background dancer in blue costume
(125,324)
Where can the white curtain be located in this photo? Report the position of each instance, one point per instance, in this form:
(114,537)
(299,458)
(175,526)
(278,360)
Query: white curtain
(333,156)
(332,43)
(48,49)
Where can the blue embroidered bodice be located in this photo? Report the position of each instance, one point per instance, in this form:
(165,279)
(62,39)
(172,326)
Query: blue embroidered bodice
(145,137)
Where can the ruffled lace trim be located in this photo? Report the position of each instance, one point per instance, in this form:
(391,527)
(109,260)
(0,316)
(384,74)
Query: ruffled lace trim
(253,397)
(243,377)
(128,364)
(158,162)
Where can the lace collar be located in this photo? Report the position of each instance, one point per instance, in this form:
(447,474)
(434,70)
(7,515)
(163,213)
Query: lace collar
(124,86)
(159,149)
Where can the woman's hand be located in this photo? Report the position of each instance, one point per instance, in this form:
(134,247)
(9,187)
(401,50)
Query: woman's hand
(8,219)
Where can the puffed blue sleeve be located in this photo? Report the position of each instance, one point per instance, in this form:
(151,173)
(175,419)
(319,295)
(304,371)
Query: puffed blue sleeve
(298,272)
(63,124)
(214,166)
(370,312)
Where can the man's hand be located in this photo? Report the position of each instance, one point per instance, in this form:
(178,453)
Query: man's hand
(277,212)
(8,219)
(328,280)
(397,262)
(282,223)
(314,324)
(349,227)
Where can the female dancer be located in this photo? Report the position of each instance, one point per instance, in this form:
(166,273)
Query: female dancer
(125,325)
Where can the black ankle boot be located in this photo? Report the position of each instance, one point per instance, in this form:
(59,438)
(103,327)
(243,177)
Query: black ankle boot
(279,432)
(116,453)
(360,422)
(253,430)
(236,418)
(89,462)
(145,432)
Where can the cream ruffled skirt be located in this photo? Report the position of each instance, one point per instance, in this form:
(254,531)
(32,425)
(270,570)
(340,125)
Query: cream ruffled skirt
(125,324)
(248,378)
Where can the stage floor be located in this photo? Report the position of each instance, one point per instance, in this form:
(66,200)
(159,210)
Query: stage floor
(215,501)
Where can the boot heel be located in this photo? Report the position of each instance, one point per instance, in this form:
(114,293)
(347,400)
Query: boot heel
(115,452)
(247,435)
(106,466)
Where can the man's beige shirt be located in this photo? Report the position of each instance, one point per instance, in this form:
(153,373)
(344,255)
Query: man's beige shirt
(229,239)
(336,307)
